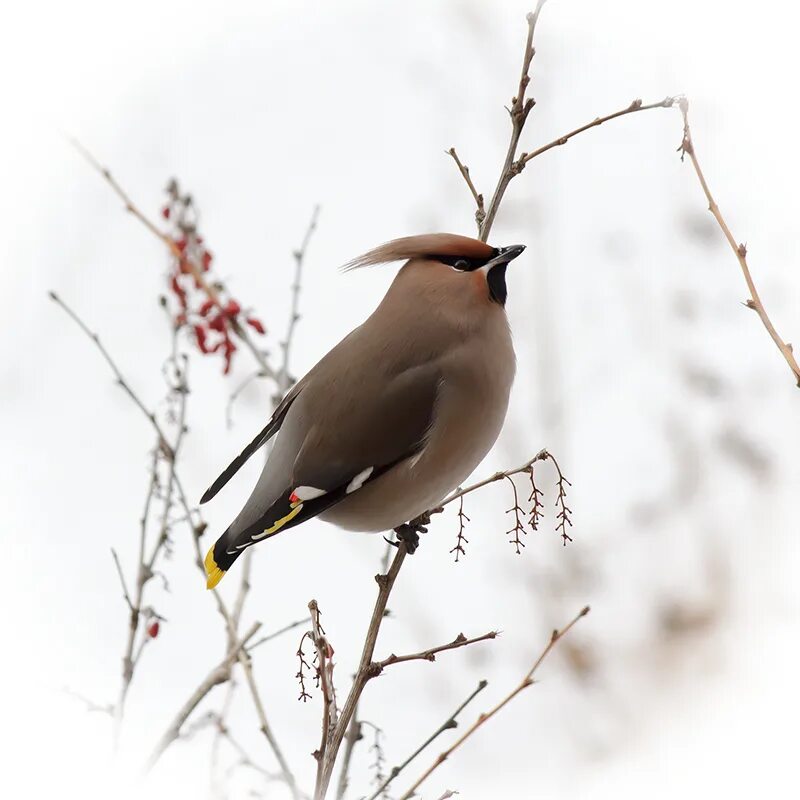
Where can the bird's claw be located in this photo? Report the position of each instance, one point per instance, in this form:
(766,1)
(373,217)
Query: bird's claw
(409,535)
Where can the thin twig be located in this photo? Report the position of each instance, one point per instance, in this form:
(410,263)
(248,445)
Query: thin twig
(270,636)
(462,539)
(520,108)
(91,706)
(220,674)
(480,211)
(430,655)
(740,250)
(447,725)
(483,718)
(636,105)
(125,592)
(299,256)
(325,681)
(542,455)
(117,374)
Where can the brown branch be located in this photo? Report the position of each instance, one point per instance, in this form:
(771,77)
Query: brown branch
(328,758)
(542,455)
(740,250)
(270,636)
(299,255)
(121,574)
(351,738)
(518,113)
(325,681)
(480,211)
(164,443)
(462,539)
(535,499)
(564,511)
(518,527)
(220,674)
(483,718)
(636,105)
(430,655)
(520,108)
(447,725)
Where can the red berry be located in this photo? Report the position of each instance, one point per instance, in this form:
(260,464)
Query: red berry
(233,308)
(165,212)
(217,323)
(181,244)
(206,307)
(206,259)
(152,629)
(200,335)
(256,324)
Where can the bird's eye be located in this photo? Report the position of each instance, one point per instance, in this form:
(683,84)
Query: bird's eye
(461,265)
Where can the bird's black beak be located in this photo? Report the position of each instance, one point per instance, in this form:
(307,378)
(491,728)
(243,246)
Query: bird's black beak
(505,254)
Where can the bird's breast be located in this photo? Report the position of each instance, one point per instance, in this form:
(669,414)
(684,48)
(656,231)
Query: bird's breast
(470,408)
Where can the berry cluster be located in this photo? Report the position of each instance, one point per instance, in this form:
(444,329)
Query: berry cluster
(203,303)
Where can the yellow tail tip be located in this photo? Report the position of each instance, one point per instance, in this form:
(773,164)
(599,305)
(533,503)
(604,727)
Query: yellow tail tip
(213,573)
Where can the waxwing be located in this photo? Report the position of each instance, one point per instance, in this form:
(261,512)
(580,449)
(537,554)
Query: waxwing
(399,413)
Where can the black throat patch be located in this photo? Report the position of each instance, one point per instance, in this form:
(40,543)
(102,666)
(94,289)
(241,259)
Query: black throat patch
(497,284)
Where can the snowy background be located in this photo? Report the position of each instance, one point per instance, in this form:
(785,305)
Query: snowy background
(668,407)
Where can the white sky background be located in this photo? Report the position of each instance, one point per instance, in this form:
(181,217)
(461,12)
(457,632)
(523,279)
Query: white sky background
(666,403)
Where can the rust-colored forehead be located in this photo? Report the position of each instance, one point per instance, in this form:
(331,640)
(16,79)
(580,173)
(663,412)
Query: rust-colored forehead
(451,244)
(429,244)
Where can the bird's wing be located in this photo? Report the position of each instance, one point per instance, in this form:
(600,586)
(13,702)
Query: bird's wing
(272,427)
(346,447)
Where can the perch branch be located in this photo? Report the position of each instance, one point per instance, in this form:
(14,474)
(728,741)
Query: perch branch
(328,758)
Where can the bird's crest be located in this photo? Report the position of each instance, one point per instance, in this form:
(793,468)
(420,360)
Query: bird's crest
(429,244)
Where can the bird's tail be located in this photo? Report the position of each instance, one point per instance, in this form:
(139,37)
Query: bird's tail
(218,560)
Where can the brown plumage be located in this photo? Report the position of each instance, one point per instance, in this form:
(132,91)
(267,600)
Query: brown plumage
(400,412)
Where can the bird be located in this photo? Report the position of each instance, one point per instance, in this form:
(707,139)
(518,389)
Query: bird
(398,414)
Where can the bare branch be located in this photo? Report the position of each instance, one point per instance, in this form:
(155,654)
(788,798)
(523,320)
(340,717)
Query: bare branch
(520,108)
(284,379)
(636,105)
(462,539)
(447,725)
(430,655)
(117,374)
(740,250)
(352,737)
(328,758)
(270,636)
(483,718)
(518,527)
(125,592)
(542,455)
(220,674)
(480,211)
(91,706)
(325,676)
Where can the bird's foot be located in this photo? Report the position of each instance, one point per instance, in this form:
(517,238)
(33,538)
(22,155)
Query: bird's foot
(409,532)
